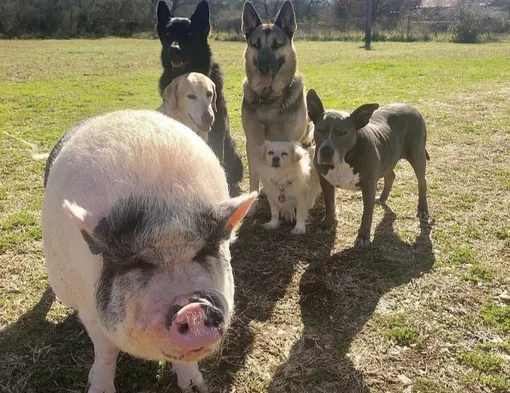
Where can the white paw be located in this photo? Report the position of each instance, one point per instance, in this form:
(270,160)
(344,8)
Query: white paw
(189,378)
(299,229)
(361,242)
(273,224)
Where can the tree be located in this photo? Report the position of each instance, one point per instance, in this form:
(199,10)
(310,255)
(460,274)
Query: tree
(368,24)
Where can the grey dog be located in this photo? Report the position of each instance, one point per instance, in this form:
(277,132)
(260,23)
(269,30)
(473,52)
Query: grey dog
(355,150)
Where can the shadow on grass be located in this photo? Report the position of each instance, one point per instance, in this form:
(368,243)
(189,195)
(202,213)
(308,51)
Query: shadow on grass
(264,263)
(338,296)
(39,356)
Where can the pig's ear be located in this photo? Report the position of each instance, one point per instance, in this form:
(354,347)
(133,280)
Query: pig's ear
(361,116)
(237,208)
(86,222)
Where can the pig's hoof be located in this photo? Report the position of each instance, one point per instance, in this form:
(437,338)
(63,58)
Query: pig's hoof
(298,230)
(423,215)
(95,389)
(361,242)
(271,225)
(189,378)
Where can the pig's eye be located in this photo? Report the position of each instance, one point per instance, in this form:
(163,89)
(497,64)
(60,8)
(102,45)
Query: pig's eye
(140,263)
(285,154)
(208,250)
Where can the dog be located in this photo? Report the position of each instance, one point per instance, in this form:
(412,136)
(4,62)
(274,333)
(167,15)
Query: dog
(354,150)
(191,99)
(274,106)
(185,49)
(290,181)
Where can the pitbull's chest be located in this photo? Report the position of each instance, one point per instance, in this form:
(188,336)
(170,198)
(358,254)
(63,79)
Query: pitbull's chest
(342,176)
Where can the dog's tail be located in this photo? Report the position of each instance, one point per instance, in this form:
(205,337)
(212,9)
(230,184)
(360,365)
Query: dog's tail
(427,155)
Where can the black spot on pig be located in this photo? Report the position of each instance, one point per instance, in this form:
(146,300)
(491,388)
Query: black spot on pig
(128,239)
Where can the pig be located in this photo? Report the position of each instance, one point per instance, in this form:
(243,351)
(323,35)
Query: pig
(137,222)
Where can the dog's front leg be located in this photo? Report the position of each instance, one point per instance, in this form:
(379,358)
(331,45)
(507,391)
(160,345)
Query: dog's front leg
(329,221)
(368,191)
(301,213)
(275,214)
(253,152)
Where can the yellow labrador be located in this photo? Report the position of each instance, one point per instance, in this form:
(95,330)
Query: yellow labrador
(191,99)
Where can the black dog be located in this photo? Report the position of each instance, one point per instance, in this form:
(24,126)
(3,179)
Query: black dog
(185,49)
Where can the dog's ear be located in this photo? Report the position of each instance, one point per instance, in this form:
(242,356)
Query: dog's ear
(314,105)
(214,97)
(263,151)
(251,19)
(286,19)
(170,93)
(164,15)
(361,116)
(200,18)
(297,153)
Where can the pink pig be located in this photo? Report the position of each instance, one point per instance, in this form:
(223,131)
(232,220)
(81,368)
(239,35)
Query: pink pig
(137,222)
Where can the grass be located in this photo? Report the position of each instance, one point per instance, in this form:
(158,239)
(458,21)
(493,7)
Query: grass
(313,315)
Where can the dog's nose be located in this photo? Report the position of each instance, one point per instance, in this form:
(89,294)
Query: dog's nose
(175,48)
(263,67)
(327,151)
(276,161)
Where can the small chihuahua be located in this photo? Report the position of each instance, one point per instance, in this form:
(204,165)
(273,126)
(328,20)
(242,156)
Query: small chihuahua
(290,182)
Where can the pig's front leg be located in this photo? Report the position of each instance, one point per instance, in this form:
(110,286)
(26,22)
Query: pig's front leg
(102,373)
(189,377)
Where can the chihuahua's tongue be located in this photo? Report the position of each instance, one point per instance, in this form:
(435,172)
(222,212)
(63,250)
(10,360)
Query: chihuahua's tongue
(265,80)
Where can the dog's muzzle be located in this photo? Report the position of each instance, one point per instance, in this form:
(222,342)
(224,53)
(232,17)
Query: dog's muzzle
(326,155)
(275,162)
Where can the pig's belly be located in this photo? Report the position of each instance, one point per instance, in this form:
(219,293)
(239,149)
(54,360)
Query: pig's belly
(342,176)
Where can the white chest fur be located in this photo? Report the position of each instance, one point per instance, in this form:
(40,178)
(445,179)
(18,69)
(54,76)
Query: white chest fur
(342,176)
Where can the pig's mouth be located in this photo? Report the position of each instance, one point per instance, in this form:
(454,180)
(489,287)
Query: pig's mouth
(188,356)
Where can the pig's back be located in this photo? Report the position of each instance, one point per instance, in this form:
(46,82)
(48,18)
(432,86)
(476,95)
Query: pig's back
(110,157)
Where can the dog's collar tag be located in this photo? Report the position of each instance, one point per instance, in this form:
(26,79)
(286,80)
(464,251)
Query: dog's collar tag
(281,198)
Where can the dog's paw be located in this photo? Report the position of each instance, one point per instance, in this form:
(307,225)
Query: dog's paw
(361,242)
(423,215)
(380,201)
(327,227)
(299,229)
(271,225)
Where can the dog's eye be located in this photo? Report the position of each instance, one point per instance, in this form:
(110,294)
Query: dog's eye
(256,45)
(277,45)
(285,154)
(191,96)
(271,153)
(209,94)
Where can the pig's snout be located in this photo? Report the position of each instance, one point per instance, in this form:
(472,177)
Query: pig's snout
(196,325)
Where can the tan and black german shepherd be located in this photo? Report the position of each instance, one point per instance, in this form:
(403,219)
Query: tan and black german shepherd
(274,105)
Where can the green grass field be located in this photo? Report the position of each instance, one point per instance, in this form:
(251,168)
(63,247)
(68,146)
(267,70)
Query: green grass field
(424,310)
